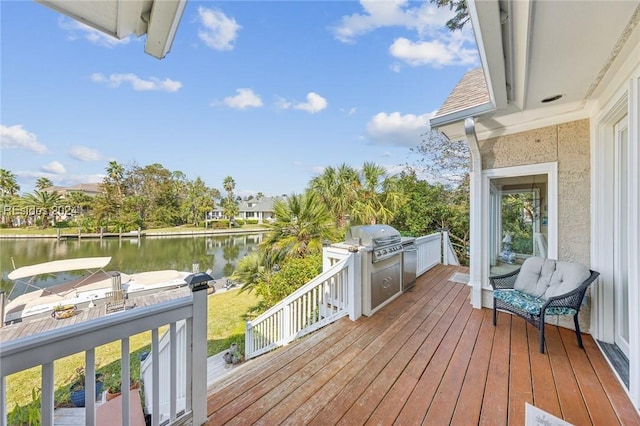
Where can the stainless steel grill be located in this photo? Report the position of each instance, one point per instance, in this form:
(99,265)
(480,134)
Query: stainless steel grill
(383,240)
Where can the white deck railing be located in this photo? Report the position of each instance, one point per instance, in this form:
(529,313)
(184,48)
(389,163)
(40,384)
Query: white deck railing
(330,296)
(323,300)
(165,350)
(44,348)
(429,252)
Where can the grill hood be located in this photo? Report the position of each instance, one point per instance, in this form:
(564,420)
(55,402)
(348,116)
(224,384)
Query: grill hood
(372,235)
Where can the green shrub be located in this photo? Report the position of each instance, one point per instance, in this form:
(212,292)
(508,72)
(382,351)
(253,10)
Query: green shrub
(27,414)
(63,224)
(220,224)
(252,221)
(292,275)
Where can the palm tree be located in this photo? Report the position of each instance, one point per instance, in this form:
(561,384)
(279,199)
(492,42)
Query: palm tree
(229,205)
(229,185)
(378,196)
(115,176)
(43,182)
(42,203)
(8,183)
(337,188)
(8,190)
(252,270)
(302,225)
(79,201)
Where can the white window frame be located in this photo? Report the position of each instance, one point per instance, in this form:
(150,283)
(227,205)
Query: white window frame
(551,170)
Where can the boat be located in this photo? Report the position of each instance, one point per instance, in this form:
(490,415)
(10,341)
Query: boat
(91,289)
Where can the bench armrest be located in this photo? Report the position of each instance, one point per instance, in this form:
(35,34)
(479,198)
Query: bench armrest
(504,281)
(572,299)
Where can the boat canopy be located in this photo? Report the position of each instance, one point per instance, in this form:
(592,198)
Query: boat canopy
(86,263)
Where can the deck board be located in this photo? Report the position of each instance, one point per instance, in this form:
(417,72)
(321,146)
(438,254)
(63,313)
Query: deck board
(496,395)
(545,395)
(588,382)
(427,357)
(571,400)
(520,391)
(469,406)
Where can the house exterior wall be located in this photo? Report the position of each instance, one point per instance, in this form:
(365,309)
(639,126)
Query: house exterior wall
(568,144)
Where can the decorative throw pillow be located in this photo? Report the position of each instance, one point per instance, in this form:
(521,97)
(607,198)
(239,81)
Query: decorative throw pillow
(535,275)
(567,277)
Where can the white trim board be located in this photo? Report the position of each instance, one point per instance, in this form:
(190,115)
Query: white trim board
(551,170)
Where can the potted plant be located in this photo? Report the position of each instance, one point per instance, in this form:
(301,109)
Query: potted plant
(63,311)
(233,355)
(77,387)
(116,389)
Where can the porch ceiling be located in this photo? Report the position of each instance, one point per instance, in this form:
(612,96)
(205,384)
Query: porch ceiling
(536,50)
(158,19)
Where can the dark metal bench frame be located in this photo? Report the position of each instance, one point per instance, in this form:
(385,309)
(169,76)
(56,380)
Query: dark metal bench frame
(572,299)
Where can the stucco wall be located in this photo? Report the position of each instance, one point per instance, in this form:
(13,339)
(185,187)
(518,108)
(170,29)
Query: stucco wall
(569,145)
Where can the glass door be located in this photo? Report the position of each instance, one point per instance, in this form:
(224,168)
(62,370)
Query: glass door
(621,243)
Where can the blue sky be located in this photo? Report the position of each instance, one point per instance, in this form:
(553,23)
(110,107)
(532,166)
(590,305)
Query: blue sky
(268,92)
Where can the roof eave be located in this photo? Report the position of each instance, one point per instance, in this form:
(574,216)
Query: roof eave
(163,24)
(488,30)
(457,116)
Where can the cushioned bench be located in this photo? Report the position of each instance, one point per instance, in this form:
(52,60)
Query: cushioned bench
(542,287)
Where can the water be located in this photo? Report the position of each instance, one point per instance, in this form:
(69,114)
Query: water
(219,253)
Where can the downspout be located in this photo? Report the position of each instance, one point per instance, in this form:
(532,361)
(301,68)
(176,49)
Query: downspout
(475,211)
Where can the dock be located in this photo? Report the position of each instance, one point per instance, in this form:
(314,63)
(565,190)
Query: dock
(41,325)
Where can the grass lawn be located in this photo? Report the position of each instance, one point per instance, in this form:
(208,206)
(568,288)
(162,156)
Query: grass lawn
(226,325)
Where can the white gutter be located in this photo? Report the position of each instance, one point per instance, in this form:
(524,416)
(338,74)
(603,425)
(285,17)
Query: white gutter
(475,211)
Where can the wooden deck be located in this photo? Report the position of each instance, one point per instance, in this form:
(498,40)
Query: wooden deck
(426,358)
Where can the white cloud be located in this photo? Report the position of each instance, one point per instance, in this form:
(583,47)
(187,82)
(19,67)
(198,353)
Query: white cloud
(82,153)
(138,84)
(218,31)
(397,129)
(315,103)
(244,99)
(17,137)
(77,30)
(437,53)
(379,14)
(434,45)
(282,103)
(54,167)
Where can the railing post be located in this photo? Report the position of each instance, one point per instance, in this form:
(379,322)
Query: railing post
(3,402)
(46,394)
(199,284)
(125,378)
(445,247)
(248,339)
(2,301)
(286,323)
(90,387)
(354,286)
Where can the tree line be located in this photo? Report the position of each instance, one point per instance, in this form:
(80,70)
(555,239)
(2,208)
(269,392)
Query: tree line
(290,255)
